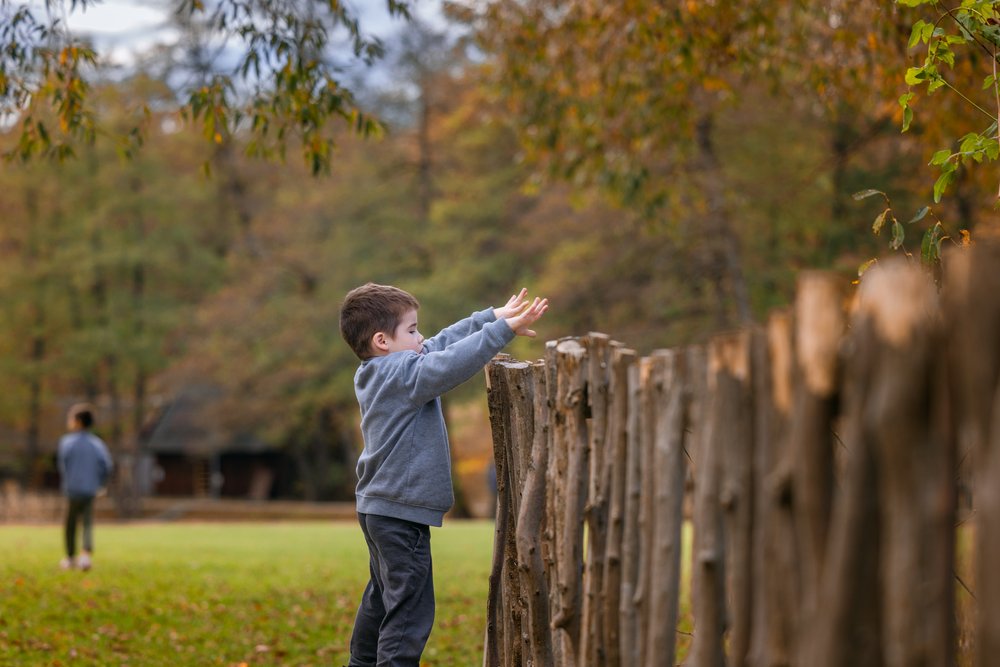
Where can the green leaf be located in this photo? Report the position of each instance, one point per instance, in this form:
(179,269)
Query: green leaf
(930,245)
(942,183)
(880,221)
(915,76)
(898,234)
(940,157)
(864,194)
(907,118)
(916,35)
(920,215)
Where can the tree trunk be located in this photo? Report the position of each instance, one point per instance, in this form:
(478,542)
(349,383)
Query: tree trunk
(719,226)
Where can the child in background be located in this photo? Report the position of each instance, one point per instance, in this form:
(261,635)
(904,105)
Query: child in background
(404,472)
(84,466)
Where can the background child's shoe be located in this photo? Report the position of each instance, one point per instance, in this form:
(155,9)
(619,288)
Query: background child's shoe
(84,562)
(66,564)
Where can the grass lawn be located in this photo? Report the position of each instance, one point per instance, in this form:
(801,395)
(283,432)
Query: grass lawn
(221,594)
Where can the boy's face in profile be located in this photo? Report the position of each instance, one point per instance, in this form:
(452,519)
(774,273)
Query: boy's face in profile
(405,337)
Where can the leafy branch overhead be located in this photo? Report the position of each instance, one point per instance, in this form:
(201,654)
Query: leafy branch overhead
(930,244)
(285,88)
(972,31)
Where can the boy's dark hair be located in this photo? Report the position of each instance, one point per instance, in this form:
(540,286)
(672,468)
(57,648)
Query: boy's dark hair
(370,309)
(83,414)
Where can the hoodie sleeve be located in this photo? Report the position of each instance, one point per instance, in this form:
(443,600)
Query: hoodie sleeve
(429,375)
(459,330)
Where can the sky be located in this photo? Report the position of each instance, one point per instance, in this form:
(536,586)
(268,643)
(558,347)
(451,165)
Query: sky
(121,28)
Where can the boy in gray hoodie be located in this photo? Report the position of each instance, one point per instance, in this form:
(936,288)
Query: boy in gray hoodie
(84,466)
(404,472)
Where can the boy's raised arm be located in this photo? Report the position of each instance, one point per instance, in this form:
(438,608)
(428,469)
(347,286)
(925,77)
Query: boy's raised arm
(470,325)
(435,373)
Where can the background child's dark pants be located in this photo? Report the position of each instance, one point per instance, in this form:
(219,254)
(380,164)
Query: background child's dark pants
(80,508)
(397,609)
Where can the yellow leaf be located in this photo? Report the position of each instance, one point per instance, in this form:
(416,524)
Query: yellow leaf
(218,138)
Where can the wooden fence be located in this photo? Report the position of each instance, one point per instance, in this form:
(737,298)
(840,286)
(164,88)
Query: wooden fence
(816,457)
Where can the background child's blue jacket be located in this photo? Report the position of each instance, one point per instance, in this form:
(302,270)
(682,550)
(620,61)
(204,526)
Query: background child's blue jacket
(84,464)
(405,468)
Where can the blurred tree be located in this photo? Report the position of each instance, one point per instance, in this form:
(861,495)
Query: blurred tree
(102,260)
(278,74)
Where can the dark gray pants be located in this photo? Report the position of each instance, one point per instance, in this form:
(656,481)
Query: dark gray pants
(80,508)
(397,609)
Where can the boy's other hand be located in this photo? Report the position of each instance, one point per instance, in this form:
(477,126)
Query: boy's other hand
(514,305)
(527,315)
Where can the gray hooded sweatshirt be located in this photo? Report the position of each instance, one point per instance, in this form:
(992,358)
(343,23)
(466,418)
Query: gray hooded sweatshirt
(84,464)
(404,470)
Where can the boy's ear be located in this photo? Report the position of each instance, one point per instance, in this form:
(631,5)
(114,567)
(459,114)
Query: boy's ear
(380,341)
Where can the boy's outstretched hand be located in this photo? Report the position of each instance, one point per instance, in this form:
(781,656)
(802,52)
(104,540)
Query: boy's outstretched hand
(514,305)
(521,314)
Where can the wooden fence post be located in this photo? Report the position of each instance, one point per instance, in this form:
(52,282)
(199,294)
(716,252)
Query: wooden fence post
(647,425)
(776,606)
(972,310)
(570,442)
(848,630)
(708,568)
(665,398)
(511,398)
(734,433)
(529,530)
(629,621)
(616,461)
(908,423)
(820,321)
(494,654)
(592,649)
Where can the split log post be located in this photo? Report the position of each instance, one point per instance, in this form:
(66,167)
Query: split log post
(776,607)
(628,618)
(555,474)
(494,654)
(849,629)
(696,403)
(570,440)
(520,389)
(820,321)
(647,424)
(592,649)
(708,568)
(733,418)
(972,310)
(529,531)
(666,398)
(908,424)
(616,465)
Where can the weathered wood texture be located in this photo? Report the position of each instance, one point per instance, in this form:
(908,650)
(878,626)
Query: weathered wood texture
(815,459)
